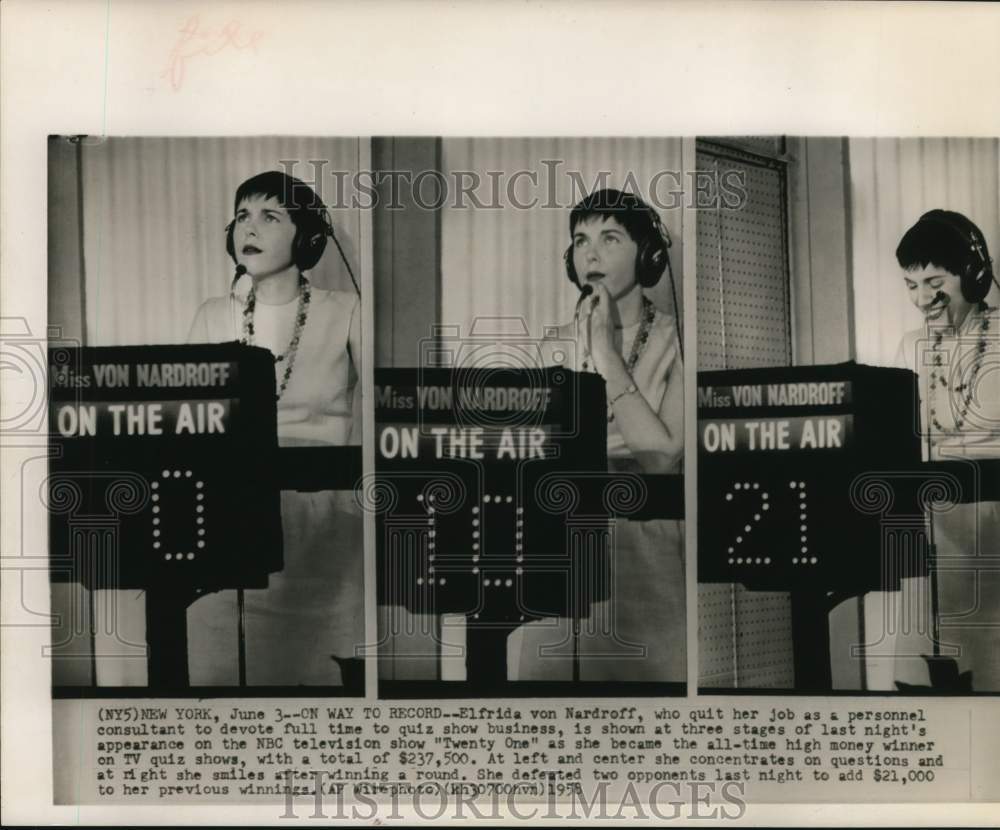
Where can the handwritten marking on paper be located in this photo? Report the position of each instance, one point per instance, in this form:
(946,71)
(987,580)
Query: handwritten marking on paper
(198,40)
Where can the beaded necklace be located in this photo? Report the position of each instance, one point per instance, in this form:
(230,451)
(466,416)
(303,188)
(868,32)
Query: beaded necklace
(301,314)
(967,388)
(638,345)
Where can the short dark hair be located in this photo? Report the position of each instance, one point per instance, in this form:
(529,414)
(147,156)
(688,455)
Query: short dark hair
(631,212)
(304,206)
(943,238)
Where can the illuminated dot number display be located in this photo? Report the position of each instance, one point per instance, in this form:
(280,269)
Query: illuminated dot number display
(476,529)
(738,552)
(174,480)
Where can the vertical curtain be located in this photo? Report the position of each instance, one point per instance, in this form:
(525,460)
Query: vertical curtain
(155,212)
(506,260)
(894,181)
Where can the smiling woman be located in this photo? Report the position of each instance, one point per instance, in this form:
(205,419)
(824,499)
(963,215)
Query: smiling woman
(947,269)
(948,274)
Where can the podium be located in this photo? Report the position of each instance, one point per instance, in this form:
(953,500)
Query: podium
(492,500)
(162,479)
(811,481)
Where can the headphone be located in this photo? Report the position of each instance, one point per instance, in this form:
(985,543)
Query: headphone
(651,259)
(311,231)
(977,273)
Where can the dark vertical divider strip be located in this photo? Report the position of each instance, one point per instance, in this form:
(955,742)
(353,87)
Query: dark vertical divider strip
(66,262)
(407,250)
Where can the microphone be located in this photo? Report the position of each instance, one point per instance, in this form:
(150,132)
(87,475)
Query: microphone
(586,290)
(936,308)
(241,269)
(233,318)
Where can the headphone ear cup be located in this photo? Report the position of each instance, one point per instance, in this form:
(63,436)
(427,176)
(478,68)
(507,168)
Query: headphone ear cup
(651,262)
(976,281)
(230,245)
(978,274)
(308,247)
(651,259)
(570,267)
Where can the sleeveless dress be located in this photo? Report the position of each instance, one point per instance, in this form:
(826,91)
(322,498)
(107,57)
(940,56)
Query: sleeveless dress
(639,633)
(313,609)
(968,590)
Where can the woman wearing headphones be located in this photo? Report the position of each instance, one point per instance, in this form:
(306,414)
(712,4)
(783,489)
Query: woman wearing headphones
(280,230)
(619,247)
(948,273)
(313,608)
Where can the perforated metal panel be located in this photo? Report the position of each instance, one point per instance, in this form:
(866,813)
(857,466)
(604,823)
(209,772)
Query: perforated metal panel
(716,635)
(764,639)
(767,145)
(745,637)
(743,308)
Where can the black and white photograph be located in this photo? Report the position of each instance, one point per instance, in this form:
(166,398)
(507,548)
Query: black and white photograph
(206,415)
(530,416)
(848,514)
(525,414)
